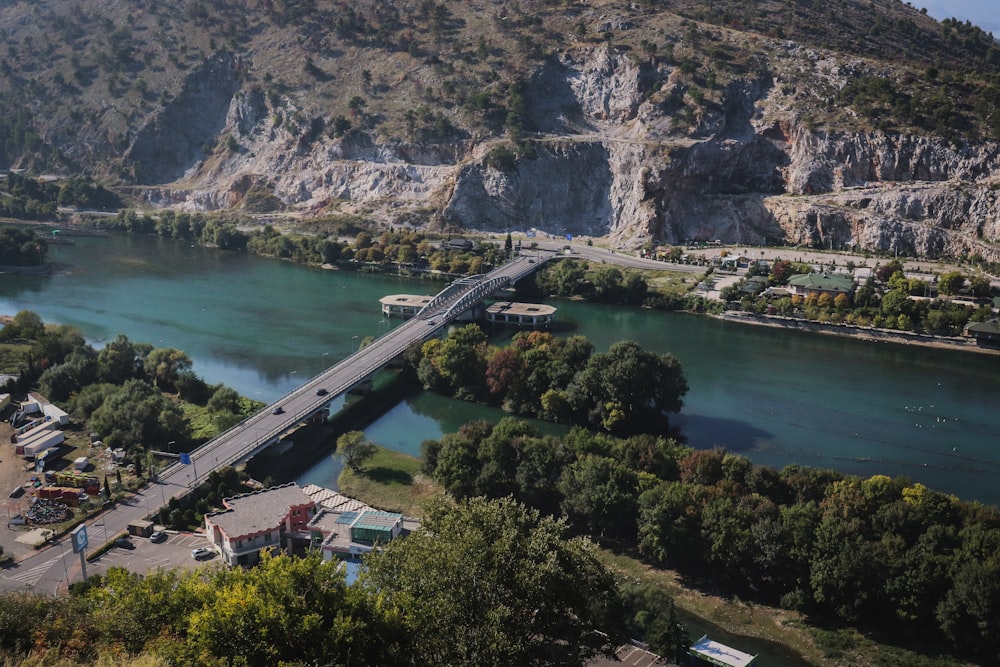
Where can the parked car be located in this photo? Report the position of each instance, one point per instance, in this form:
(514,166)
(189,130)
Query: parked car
(17,492)
(158,536)
(201,553)
(124,543)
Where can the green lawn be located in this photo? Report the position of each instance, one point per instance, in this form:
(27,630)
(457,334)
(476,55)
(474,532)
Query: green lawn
(390,481)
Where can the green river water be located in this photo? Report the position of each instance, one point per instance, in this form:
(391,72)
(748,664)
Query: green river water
(778,397)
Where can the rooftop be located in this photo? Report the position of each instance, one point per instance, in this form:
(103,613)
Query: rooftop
(822,281)
(414,300)
(258,511)
(720,654)
(514,308)
(333,501)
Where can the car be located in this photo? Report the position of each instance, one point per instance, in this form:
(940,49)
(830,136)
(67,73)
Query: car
(321,392)
(124,543)
(278,410)
(17,492)
(201,553)
(158,536)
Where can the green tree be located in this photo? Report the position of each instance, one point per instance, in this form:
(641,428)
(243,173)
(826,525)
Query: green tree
(601,494)
(629,390)
(951,282)
(120,360)
(134,414)
(355,448)
(491,582)
(163,365)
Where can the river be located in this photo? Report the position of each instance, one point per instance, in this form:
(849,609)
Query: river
(262,326)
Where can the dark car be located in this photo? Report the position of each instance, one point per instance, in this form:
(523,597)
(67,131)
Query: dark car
(158,536)
(321,392)
(17,492)
(278,410)
(124,543)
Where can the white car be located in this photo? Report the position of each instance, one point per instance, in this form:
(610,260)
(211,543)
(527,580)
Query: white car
(201,553)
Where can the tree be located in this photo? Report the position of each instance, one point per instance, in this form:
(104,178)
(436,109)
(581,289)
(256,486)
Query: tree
(491,582)
(355,448)
(629,390)
(951,282)
(164,365)
(119,360)
(601,494)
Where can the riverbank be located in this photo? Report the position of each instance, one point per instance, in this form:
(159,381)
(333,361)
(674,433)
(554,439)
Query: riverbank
(861,333)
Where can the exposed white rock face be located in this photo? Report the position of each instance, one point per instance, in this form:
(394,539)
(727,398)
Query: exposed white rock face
(609,158)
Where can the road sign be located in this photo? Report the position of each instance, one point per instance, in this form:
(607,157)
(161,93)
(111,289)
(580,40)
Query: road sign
(185,459)
(79,538)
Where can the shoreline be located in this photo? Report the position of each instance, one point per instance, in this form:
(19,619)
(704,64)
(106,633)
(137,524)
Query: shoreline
(861,333)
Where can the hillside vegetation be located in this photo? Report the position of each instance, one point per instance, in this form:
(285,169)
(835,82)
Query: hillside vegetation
(602,118)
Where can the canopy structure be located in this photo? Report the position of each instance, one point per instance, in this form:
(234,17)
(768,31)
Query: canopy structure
(715,653)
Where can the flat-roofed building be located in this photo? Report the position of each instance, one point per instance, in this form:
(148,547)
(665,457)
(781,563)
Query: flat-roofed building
(403,305)
(520,314)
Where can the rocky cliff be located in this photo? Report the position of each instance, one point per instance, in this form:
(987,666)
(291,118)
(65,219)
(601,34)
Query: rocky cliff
(603,157)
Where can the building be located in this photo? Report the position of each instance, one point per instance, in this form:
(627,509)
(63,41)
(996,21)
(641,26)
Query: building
(352,534)
(291,518)
(984,333)
(404,306)
(532,315)
(713,653)
(804,284)
(274,518)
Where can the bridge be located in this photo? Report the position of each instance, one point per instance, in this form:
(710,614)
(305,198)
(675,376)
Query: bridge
(255,433)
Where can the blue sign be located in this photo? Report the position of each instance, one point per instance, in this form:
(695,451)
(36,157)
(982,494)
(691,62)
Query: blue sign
(79,538)
(186,459)
(569,237)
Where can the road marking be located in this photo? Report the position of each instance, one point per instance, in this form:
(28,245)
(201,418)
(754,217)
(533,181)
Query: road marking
(32,575)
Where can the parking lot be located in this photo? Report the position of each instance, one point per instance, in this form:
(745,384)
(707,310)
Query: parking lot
(147,556)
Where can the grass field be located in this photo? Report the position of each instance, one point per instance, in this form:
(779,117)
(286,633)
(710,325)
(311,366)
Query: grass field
(390,481)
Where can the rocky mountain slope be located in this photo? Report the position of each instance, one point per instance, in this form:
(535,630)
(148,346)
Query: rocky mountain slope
(848,124)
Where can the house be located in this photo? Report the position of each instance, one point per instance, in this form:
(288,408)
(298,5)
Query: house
(274,518)
(984,333)
(804,284)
